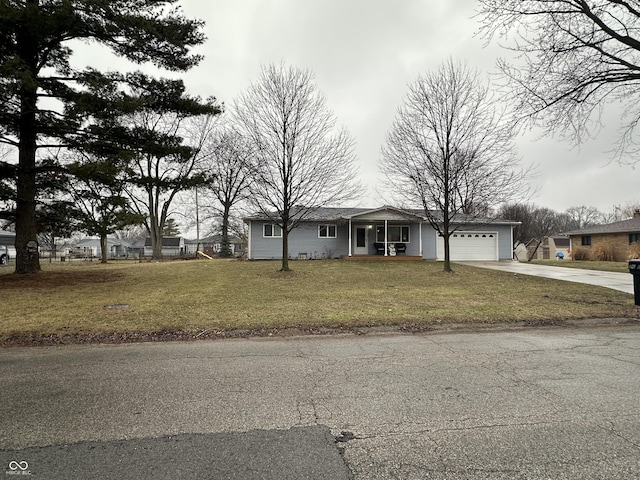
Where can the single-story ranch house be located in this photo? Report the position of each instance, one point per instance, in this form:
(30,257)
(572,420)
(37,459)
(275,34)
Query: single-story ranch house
(90,247)
(619,236)
(171,247)
(389,231)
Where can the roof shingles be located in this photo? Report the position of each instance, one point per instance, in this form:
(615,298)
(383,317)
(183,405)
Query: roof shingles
(631,225)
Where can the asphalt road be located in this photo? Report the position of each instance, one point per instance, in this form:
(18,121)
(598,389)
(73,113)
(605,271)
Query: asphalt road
(532,404)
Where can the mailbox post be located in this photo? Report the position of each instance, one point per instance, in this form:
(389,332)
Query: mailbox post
(634,269)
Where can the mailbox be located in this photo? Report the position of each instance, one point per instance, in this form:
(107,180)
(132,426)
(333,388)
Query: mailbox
(634,269)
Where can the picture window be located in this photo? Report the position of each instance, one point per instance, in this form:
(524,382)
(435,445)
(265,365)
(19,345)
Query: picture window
(272,230)
(327,231)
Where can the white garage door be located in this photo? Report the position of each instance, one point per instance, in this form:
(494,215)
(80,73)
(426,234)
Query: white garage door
(470,246)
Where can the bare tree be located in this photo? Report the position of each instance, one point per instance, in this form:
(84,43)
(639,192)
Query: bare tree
(131,233)
(451,151)
(583,216)
(573,57)
(300,160)
(536,222)
(227,154)
(167,165)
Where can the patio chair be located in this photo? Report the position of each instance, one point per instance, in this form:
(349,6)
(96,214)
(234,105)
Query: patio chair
(401,249)
(379,248)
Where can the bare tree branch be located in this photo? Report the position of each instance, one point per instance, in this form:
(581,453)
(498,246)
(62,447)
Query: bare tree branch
(450,150)
(574,56)
(300,160)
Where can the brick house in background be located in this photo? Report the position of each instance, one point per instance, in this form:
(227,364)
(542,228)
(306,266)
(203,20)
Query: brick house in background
(619,236)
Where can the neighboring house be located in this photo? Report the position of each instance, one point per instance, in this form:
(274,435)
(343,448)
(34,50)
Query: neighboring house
(90,247)
(348,232)
(137,248)
(191,246)
(619,236)
(546,249)
(171,247)
(7,238)
(213,244)
(7,249)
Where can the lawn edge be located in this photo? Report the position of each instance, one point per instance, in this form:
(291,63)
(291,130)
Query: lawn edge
(40,340)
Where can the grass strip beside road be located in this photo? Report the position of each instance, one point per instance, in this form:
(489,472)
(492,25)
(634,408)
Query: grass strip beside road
(223,296)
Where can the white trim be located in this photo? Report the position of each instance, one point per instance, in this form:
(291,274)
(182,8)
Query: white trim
(350,239)
(273,226)
(386,249)
(328,225)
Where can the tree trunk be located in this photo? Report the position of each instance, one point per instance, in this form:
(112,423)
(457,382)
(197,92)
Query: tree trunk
(447,254)
(103,248)
(27,257)
(155,226)
(285,250)
(225,249)
(156,241)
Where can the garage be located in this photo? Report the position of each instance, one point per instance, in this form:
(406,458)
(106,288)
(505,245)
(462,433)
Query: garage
(470,246)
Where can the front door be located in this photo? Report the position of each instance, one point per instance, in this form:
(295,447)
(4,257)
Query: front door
(362,241)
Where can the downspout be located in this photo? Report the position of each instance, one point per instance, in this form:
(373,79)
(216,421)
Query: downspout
(350,237)
(420,235)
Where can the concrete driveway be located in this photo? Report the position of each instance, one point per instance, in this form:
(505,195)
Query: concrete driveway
(617,281)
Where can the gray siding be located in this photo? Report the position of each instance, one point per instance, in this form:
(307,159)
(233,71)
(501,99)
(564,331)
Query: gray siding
(304,240)
(505,245)
(429,242)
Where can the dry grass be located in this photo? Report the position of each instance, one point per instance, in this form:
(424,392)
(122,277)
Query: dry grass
(605,266)
(231,295)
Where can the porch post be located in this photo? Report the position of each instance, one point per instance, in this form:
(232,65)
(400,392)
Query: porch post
(350,239)
(421,254)
(385,237)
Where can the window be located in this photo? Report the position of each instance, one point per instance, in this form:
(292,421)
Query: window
(272,230)
(327,231)
(634,238)
(395,233)
(586,240)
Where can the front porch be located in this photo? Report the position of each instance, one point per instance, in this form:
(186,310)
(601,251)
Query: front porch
(386,233)
(381,258)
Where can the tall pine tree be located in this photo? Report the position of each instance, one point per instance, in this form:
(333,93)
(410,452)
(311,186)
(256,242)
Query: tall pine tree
(36,40)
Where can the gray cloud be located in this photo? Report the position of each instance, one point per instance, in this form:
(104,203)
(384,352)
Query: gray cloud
(364,54)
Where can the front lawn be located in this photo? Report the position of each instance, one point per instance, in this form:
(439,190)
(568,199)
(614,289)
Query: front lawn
(223,296)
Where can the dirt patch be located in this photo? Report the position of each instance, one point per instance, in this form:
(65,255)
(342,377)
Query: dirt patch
(52,279)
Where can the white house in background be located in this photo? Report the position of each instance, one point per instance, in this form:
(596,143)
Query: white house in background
(385,231)
(90,247)
(7,246)
(171,247)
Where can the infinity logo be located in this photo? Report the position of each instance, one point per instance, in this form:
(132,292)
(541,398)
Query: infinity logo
(13,465)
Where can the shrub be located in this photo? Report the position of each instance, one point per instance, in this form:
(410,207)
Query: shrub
(634,251)
(602,251)
(580,253)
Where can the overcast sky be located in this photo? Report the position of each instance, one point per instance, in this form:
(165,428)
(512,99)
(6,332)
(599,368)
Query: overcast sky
(364,53)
